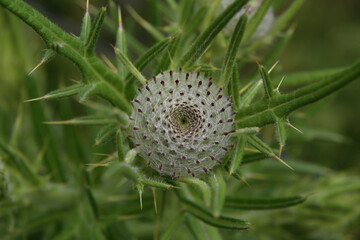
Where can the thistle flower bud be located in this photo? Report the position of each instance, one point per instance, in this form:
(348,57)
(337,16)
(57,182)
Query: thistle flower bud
(181,124)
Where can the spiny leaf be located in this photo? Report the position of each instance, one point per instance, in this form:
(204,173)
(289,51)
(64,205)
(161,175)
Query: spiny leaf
(281,132)
(121,45)
(229,61)
(95,31)
(149,55)
(108,92)
(167,55)
(263,203)
(202,43)
(262,147)
(64,44)
(269,89)
(132,69)
(60,93)
(155,183)
(253,90)
(86,24)
(262,113)
(254,157)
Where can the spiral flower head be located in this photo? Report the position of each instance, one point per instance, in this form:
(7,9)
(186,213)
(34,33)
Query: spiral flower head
(181,124)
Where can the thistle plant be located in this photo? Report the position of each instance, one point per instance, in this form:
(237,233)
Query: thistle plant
(181,118)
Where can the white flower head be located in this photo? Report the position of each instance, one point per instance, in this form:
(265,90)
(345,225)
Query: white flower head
(181,124)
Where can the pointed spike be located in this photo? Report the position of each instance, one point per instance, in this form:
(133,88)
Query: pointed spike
(57,122)
(244,180)
(283,162)
(35,99)
(87,6)
(141,202)
(295,128)
(120,18)
(154,195)
(273,66)
(47,56)
(282,79)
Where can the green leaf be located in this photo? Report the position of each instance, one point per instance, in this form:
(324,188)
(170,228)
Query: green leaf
(156,34)
(86,24)
(20,164)
(121,45)
(256,19)
(287,15)
(130,156)
(262,203)
(87,120)
(238,154)
(281,133)
(120,145)
(60,93)
(218,188)
(235,87)
(203,186)
(106,133)
(95,31)
(269,89)
(196,228)
(170,230)
(229,61)
(202,43)
(301,78)
(124,169)
(245,131)
(220,222)
(148,56)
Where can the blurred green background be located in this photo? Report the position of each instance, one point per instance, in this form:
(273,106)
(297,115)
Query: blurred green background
(327,36)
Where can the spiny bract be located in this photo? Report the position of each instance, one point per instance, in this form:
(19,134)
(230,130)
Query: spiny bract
(181,124)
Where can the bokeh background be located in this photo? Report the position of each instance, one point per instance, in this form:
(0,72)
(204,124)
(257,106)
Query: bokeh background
(327,36)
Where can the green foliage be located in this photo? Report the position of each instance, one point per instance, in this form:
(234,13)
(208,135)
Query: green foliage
(54,185)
